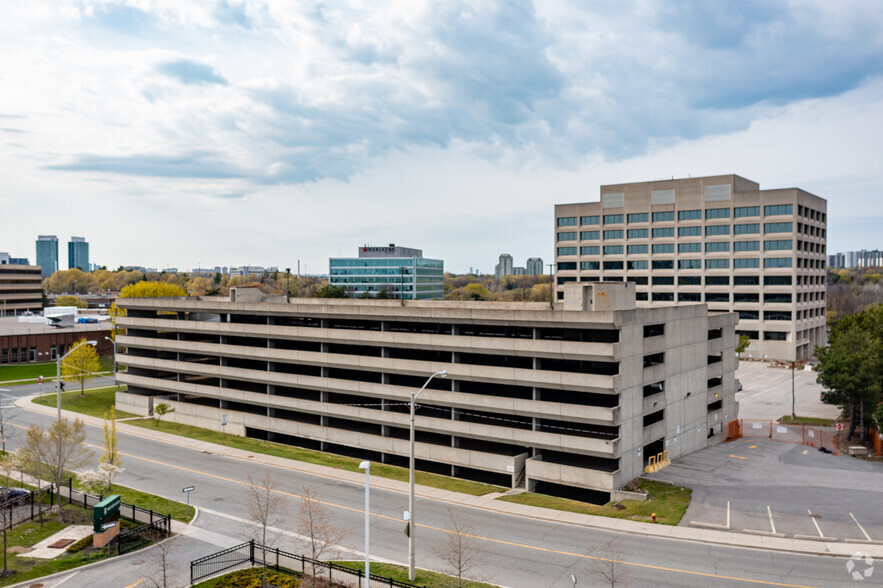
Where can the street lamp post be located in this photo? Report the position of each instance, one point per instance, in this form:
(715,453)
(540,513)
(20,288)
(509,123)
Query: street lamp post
(793,400)
(412,528)
(58,361)
(366,465)
(114,341)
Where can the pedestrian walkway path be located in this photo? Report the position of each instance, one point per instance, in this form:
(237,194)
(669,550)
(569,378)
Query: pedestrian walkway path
(487,502)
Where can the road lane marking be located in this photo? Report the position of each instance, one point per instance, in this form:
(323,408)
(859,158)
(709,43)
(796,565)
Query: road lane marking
(737,456)
(862,529)
(140,581)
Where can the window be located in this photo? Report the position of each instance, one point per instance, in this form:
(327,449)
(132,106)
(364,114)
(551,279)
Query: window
(590,250)
(569,236)
(775,209)
(717,213)
(590,235)
(663,216)
(590,220)
(689,297)
(689,215)
(613,265)
(564,280)
(612,219)
(567,251)
(717,297)
(717,280)
(690,247)
(616,234)
(746,246)
(741,297)
(663,280)
(654,330)
(664,248)
(741,211)
(777,298)
(637,233)
(748,315)
(567,265)
(689,264)
(778,227)
(689,231)
(636,249)
(655,359)
(613,250)
(753,335)
(590,265)
(777,280)
(746,229)
(717,263)
(642,296)
(717,230)
(663,297)
(717,247)
(637,265)
(746,281)
(567,221)
(666,232)
(746,263)
(780,245)
(639,280)
(638,217)
(773,262)
(776,315)
(689,281)
(775,336)
(664,264)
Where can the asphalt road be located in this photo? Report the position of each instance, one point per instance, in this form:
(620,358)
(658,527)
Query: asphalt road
(519,552)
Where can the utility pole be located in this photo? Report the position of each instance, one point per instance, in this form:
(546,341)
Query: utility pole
(551,285)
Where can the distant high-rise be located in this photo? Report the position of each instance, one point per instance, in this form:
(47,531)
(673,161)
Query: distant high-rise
(535,266)
(400,272)
(47,254)
(78,254)
(504,268)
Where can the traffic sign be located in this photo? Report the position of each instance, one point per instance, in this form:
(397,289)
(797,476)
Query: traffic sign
(839,426)
(189,489)
(107,526)
(39,379)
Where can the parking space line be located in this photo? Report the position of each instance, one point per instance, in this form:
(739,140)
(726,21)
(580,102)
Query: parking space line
(766,533)
(816,523)
(772,524)
(860,528)
(821,537)
(715,525)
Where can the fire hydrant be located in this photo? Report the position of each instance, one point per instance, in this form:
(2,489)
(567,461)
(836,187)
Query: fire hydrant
(653,517)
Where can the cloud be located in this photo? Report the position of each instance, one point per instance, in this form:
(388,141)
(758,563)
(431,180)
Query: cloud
(190,72)
(196,164)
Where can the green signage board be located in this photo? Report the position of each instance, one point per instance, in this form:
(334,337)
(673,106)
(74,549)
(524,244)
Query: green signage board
(106,510)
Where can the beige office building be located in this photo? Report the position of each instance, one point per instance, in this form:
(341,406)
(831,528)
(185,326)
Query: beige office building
(20,289)
(719,240)
(572,400)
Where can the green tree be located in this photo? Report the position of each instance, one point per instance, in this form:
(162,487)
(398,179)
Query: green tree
(81,363)
(161,410)
(68,300)
(152,290)
(329,291)
(744,342)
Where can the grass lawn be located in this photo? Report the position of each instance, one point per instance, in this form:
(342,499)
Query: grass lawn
(95,402)
(421,577)
(812,421)
(27,371)
(667,501)
(178,510)
(31,533)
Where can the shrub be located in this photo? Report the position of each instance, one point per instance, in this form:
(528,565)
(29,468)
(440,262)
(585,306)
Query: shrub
(80,545)
(251,578)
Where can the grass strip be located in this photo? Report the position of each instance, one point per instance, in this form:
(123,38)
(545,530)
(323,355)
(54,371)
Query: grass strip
(421,577)
(95,402)
(812,421)
(667,501)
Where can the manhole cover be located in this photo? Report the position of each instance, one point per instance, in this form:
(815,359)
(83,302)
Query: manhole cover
(36,585)
(217,499)
(137,562)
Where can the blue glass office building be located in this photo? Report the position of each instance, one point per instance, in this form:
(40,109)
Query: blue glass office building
(78,254)
(47,254)
(400,271)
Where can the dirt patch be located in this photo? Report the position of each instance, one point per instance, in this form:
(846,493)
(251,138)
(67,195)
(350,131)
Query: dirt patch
(19,549)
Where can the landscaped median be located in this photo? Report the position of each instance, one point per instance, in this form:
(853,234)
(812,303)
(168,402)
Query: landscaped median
(27,373)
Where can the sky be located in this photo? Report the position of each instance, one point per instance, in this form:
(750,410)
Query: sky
(264,132)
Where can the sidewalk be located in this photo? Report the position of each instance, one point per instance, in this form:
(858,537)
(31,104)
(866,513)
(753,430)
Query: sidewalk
(487,502)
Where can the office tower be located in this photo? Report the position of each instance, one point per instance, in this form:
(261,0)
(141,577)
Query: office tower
(401,272)
(47,254)
(78,254)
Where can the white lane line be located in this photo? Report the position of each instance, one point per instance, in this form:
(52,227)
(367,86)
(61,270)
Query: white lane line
(862,529)
(815,522)
(772,524)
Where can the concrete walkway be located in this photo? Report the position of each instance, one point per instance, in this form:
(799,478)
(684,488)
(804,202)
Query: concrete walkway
(487,503)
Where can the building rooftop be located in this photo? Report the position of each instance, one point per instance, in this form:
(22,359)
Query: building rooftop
(12,326)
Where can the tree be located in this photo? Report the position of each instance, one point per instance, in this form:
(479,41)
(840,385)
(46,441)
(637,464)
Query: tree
(81,363)
(68,300)
(59,449)
(111,456)
(161,410)
(266,508)
(329,291)
(460,549)
(162,561)
(6,430)
(607,563)
(152,290)
(744,342)
(314,523)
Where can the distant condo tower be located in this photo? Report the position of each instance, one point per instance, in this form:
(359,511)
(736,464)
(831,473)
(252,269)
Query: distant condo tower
(78,254)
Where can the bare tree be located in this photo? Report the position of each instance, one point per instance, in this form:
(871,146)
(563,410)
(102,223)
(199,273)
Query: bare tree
(162,563)
(59,449)
(607,563)
(6,430)
(314,522)
(266,507)
(460,549)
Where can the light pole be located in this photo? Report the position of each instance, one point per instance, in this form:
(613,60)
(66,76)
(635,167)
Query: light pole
(58,360)
(793,410)
(366,465)
(114,341)
(411,524)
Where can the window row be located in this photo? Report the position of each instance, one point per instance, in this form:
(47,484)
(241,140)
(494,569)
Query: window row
(682,215)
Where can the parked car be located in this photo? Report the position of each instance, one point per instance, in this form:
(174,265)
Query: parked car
(13,493)
(826,396)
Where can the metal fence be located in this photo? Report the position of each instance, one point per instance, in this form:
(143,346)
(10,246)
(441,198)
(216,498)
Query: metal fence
(812,435)
(15,511)
(253,554)
(128,511)
(143,535)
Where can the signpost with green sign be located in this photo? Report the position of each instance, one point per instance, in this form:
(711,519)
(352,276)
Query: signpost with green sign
(106,511)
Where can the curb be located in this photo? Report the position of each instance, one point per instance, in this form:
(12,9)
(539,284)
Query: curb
(705,536)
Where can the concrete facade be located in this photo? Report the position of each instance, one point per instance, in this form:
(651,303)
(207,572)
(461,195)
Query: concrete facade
(570,399)
(20,289)
(719,240)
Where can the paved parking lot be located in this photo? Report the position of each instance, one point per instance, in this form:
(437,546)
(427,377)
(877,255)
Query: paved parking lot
(766,393)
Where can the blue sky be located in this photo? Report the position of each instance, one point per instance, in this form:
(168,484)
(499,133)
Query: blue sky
(264,132)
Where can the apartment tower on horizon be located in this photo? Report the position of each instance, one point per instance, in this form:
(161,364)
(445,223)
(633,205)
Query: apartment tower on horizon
(78,254)
(717,240)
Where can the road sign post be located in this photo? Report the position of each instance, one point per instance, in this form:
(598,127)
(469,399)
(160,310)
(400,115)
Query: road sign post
(223,427)
(187,491)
